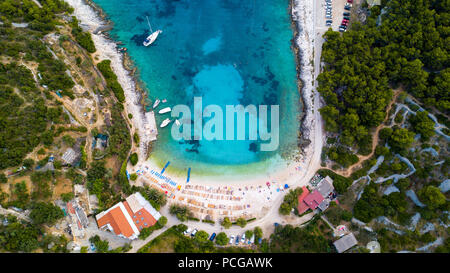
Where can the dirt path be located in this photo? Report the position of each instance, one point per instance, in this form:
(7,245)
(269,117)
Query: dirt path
(361,158)
(12,212)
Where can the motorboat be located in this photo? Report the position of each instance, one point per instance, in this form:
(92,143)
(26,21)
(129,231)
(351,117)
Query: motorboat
(165,110)
(165,123)
(157,101)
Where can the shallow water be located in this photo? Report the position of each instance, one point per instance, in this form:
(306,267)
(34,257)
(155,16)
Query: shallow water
(228,52)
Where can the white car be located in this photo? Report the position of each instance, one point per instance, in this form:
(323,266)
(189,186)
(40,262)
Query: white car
(194,232)
(187,231)
(243,238)
(231,239)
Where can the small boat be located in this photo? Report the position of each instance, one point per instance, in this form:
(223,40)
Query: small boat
(152,37)
(165,110)
(156,103)
(164,100)
(177,122)
(165,122)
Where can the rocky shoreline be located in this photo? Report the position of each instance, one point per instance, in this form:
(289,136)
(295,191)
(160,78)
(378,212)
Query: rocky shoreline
(302,141)
(92,18)
(301,43)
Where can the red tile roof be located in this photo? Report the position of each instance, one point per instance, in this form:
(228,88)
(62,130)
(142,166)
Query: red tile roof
(70,208)
(141,217)
(118,222)
(313,200)
(302,207)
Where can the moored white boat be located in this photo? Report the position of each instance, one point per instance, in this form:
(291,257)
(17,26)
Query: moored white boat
(165,123)
(152,37)
(177,122)
(165,110)
(157,101)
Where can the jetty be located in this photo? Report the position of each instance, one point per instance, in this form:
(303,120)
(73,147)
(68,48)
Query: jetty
(150,127)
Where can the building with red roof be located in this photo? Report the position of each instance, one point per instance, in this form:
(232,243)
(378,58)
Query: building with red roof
(313,199)
(128,218)
(316,199)
(302,207)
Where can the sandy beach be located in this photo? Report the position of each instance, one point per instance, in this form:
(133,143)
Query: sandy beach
(205,196)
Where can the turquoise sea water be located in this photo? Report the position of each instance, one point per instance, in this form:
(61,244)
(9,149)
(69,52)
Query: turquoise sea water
(227,52)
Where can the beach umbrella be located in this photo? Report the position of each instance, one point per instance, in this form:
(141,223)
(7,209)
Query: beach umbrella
(286,186)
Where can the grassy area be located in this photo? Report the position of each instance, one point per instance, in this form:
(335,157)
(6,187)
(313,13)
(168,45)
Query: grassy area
(164,243)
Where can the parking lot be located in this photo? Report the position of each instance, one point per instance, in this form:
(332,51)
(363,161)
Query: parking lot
(233,240)
(336,8)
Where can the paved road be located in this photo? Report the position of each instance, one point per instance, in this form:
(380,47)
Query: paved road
(266,223)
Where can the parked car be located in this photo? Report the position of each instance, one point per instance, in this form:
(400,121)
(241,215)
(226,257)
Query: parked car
(237,240)
(346,13)
(187,231)
(328,24)
(328,16)
(194,232)
(252,240)
(347,8)
(350,1)
(231,239)
(212,237)
(243,238)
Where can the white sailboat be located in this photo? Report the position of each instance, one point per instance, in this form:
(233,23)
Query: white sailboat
(153,35)
(157,101)
(165,110)
(165,123)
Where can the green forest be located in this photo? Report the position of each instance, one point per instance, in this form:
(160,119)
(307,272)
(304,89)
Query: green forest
(404,47)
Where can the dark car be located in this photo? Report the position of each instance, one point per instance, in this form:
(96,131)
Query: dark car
(347,8)
(346,13)
(212,237)
(237,240)
(347,17)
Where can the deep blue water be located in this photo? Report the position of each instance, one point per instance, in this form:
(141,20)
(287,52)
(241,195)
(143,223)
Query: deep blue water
(227,52)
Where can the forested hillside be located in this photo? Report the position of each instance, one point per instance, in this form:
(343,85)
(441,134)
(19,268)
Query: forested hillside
(404,44)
